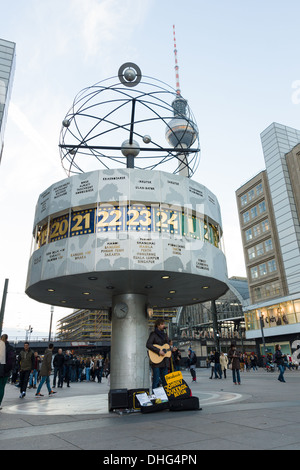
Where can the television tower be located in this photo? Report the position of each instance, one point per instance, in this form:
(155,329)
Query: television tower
(176,64)
(181,132)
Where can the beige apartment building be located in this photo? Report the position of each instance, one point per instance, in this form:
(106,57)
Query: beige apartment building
(269,214)
(261,246)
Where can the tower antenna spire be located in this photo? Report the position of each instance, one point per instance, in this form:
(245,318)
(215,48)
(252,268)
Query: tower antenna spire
(176,65)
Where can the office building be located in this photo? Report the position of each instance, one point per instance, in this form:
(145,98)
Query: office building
(269,208)
(7,68)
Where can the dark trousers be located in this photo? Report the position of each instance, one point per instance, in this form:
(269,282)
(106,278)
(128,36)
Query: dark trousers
(58,371)
(24,377)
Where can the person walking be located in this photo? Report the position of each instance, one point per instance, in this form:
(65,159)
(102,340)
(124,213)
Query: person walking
(223,363)
(218,370)
(234,356)
(212,365)
(7,361)
(192,363)
(279,359)
(67,367)
(45,372)
(58,364)
(33,378)
(26,361)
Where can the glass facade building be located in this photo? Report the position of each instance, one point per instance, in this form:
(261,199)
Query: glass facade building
(269,210)
(7,68)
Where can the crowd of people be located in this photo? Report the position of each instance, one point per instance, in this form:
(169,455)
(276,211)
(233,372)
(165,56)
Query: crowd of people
(239,362)
(29,369)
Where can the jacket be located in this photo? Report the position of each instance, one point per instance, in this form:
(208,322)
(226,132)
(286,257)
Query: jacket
(10,359)
(223,362)
(192,358)
(58,360)
(278,358)
(160,340)
(46,364)
(26,360)
(234,355)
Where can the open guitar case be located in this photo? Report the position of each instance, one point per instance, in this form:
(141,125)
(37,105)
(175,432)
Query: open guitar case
(184,402)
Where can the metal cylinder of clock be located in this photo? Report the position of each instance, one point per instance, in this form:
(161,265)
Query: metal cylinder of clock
(129,364)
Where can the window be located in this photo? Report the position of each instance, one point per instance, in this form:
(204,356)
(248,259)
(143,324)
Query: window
(251,194)
(251,253)
(266,291)
(262,207)
(256,230)
(253,212)
(248,234)
(260,249)
(265,225)
(243,200)
(262,269)
(272,266)
(259,189)
(254,272)
(246,217)
(268,245)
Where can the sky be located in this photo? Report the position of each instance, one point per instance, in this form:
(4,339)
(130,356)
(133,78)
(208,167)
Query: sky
(238,67)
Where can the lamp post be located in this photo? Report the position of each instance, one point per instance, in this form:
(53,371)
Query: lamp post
(3,305)
(262,331)
(215,325)
(51,318)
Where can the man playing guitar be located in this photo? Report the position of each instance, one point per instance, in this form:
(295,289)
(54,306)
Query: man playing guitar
(159,352)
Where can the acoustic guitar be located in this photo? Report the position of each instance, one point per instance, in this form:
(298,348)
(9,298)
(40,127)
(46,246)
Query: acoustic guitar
(157,358)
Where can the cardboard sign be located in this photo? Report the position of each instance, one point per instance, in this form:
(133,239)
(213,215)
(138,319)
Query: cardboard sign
(176,387)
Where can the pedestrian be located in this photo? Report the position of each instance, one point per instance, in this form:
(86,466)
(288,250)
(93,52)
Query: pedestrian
(81,369)
(234,356)
(218,370)
(58,364)
(223,363)
(253,361)
(279,359)
(212,365)
(46,371)
(176,357)
(33,378)
(7,361)
(26,361)
(160,361)
(88,368)
(100,368)
(67,367)
(107,367)
(192,363)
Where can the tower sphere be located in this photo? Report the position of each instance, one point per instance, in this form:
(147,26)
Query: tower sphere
(130,149)
(181,133)
(130,74)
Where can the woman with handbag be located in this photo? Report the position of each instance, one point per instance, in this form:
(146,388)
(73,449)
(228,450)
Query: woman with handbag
(234,356)
(224,363)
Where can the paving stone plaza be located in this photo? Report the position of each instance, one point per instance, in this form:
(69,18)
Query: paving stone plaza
(260,414)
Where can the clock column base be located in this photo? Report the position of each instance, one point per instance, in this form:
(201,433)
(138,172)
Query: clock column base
(129,363)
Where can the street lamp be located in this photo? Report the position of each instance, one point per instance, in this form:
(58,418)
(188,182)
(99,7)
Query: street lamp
(262,331)
(51,318)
